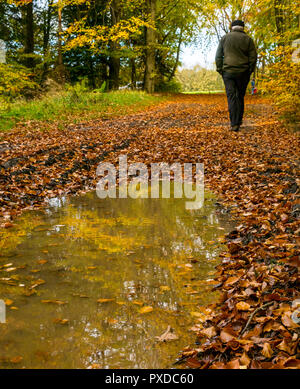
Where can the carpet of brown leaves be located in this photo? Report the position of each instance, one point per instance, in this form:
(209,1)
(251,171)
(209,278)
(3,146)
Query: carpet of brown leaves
(254,172)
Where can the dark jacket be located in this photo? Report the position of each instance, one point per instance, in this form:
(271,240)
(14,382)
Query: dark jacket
(236,53)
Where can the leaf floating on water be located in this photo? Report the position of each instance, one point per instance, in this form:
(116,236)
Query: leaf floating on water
(192,292)
(146,309)
(83,296)
(112,321)
(105,300)
(11,269)
(197,314)
(58,302)
(42,261)
(196,328)
(8,302)
(168,335)
(29,293)
(61,321)
(17,359)
(92,267)
(37,283)
(94,366)
(164,288)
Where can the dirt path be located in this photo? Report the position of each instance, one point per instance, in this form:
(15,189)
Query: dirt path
(35,165)
(255,172)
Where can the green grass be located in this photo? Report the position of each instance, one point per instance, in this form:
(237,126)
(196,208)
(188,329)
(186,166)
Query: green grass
(74,106)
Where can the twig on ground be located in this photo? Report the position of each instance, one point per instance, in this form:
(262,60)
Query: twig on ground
(252,315)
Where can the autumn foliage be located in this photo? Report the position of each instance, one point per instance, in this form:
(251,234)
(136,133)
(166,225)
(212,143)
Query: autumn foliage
(282,81)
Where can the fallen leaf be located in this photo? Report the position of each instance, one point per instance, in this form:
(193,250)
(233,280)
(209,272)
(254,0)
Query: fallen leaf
(58,302)
(42,261)
(242,306)
(267,350)
(105,300)
(146,309)
(61,321)
(208,332)
(16,359)
(245,360)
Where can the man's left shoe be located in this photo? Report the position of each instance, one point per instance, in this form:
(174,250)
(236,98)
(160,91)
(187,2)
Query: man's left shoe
(235,128)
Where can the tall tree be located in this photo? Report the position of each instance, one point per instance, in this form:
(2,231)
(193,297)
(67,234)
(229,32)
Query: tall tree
(27,11)
(114,59)
(60,63)
(150,48)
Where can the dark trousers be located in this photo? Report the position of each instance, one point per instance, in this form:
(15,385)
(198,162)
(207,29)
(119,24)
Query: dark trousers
(236,86)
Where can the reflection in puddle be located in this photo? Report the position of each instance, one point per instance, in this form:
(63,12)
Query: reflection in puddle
(90,281)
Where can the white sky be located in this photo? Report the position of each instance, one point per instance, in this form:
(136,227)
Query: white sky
(192,56)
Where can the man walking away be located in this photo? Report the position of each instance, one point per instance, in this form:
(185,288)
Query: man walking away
(236,60)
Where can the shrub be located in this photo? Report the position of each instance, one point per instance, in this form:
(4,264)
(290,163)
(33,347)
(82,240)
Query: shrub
(282,82)
(172,86)
(15,81)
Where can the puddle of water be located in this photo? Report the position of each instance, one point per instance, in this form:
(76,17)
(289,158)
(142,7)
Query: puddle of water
(128,254)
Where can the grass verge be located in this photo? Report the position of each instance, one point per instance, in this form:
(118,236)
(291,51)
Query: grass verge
(74,106)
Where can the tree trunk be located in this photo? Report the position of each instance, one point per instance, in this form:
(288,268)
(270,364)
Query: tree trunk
(150,50)
(177,55)
(60,67)
(29,35)
(47,16)
(114,60)
(279,20)
(114,72)
(133,73)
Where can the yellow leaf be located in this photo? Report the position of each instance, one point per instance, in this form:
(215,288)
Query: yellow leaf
(138,303)
(197,314)
(164,288)
(61,321)
(146,309)
(242,306)
(58,302)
